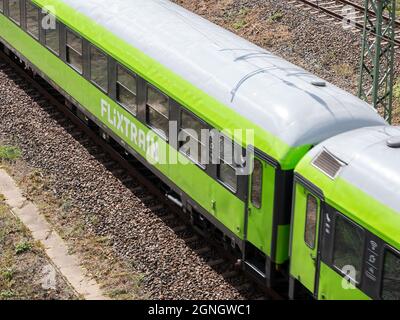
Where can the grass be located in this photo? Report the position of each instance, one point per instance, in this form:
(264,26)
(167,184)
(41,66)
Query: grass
(116,277)
(276,16)
(9,153)
(6,294)
(22,247)
(8,274)
(240,24)
(240,21)
(22,262)
(343,70)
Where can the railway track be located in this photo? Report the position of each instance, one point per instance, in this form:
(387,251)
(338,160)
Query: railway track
(133,174)
(340,11)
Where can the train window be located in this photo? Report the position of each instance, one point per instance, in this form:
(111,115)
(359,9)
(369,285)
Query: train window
(226,171)
(227,174)
(52,38)
(256,184)
(391,277)
(74,51)
(193,139)
(157,111)
(126,89)
(1,6)
(99,68)
(14,10)
(348,248)
(32,19)
(311,221)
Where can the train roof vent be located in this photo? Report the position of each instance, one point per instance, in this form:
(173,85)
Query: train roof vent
(318,83)
(328,164)
(394,142)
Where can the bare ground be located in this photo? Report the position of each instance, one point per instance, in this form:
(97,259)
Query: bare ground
(24,267)
(117,279)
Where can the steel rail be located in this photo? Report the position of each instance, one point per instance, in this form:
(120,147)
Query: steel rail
(324,6)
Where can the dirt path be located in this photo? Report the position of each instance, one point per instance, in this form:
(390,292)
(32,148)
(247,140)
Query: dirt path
(66,264)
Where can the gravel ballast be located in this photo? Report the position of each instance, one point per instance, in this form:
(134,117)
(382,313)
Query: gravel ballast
(170,269)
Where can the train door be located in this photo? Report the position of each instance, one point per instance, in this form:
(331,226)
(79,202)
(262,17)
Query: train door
(260,215)
(304,241)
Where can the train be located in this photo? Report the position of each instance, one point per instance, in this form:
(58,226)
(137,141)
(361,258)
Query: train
(312,205)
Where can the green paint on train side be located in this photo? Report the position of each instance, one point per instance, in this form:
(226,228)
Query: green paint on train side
(215,113)
(365,211)
(332,286)
(302,257)
(260,220)
(368,212)
(229,210)
(303,263)
(282,247)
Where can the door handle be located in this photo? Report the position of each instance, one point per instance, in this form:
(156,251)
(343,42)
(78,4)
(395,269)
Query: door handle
(313,258)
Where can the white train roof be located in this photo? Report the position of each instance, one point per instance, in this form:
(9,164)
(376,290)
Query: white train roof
(371,165)
(267,90)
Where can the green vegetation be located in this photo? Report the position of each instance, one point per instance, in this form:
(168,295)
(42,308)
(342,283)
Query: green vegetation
(237,25)
(9,153)
(276,16)
(8,274)
(240,22)
(344,70)
(22,262)
(22,247)
(6,294)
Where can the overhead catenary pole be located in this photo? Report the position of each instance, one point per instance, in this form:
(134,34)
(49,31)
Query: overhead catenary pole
(378,54)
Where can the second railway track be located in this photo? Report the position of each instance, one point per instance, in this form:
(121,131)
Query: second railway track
(336,10)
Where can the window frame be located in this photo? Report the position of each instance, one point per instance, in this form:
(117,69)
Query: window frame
(45,43)
(27,3)
(396,253)
(204,126)
(317,214)
(163,135)
(18,23)
(116,83)
(364,232)
(106,89)
(68,47)
(261,186)
(235,188)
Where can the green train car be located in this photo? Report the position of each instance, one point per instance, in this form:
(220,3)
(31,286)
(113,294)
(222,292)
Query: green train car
(131,68)
(345,241)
